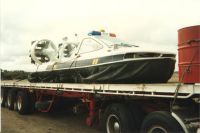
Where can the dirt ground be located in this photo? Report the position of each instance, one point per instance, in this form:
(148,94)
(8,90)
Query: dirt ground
(56,122)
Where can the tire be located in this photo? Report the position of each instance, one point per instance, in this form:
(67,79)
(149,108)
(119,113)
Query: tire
(11,99)
(162,122)
(32,100)
(4,94)
(138,116)
(118,119)
(23,103)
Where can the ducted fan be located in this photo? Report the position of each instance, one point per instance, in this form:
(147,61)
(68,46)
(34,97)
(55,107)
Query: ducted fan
(43,51)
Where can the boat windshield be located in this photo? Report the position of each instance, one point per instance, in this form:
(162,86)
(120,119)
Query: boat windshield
(111,41)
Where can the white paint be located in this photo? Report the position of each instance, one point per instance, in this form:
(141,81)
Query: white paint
(104,49)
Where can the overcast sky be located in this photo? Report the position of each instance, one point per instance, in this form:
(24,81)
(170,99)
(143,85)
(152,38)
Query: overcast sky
(152,23)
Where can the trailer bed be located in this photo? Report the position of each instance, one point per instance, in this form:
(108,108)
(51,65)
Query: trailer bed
(165,90)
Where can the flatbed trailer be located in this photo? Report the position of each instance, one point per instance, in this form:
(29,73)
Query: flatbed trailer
(166,107)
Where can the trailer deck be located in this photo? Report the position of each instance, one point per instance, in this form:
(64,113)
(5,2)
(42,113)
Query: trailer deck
(165,90)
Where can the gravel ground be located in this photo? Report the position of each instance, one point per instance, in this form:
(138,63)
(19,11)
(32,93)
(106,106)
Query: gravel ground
(56,122)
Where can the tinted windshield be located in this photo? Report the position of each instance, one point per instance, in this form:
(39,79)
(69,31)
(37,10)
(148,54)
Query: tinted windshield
(110,41)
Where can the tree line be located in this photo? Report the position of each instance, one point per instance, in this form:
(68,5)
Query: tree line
(11,75)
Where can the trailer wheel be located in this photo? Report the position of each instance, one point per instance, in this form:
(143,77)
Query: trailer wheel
(22,102)
(118,119)
(160,122)
(4,94)
(11,98)
(32,102)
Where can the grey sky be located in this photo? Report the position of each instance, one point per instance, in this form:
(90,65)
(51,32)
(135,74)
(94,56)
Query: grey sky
(151,23)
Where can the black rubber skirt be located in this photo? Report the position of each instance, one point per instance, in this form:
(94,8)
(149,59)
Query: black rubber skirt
(137,71)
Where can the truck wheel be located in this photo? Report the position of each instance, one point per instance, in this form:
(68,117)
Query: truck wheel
(138,116)
(118,119)
(160,122)
(22,102)
(4,94)
(11,99)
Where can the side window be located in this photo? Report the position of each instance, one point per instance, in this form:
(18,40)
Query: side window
(89,45)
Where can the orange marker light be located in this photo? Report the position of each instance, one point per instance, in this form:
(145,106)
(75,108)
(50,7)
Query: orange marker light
(112,35)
